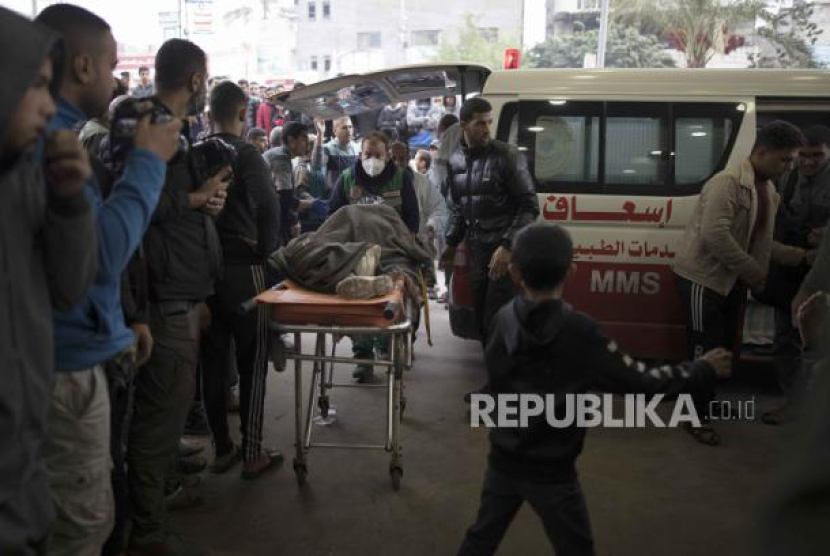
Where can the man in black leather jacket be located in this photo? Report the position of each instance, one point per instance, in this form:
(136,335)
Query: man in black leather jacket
(492,197)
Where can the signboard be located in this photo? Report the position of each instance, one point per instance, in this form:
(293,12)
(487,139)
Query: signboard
(200,17)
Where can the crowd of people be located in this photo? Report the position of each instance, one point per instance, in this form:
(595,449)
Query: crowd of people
(139,217)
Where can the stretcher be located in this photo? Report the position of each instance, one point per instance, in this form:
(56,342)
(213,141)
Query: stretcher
(297,311)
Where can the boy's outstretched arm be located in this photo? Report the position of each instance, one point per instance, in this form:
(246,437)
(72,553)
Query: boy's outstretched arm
(614,371)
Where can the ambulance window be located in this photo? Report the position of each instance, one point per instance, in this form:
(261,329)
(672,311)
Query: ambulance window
(699,147)
(561,141)
(637,147)
(704,134)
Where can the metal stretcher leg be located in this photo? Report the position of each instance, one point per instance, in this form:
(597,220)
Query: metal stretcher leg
(395,397)
(300,467)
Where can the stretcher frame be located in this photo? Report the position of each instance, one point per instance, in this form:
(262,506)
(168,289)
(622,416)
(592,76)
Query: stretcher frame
(322,381)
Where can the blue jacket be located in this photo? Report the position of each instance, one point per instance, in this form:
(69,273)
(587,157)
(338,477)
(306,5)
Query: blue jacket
(94,330)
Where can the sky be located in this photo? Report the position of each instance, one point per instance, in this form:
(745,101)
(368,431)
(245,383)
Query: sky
(133,22)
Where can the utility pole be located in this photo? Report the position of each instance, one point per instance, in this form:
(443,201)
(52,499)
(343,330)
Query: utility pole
(603,33)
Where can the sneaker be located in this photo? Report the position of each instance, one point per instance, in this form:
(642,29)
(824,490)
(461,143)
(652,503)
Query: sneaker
(191,465)
(184,497)
(222,464)
(189,447)
(364,287)
(443,298)
(269,460)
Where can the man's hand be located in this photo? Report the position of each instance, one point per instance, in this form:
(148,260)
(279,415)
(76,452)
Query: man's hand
(447,258)
(296,229)
(143,343)
(721,361)
(320,128)
(216,203)
(809,317)
(499,262)
(210,188)
(162,139)
(430,231)
(66,165)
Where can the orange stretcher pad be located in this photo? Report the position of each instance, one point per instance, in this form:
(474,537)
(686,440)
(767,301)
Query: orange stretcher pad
(295,305)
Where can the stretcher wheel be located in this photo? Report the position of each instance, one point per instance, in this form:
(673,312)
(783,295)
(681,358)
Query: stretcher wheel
(324,406)
(396,473)
(300,470)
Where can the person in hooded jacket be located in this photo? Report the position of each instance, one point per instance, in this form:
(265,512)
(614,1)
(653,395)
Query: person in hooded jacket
(540,345)
(48,260)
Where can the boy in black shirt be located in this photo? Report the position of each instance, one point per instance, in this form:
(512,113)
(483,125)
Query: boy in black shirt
(539,345)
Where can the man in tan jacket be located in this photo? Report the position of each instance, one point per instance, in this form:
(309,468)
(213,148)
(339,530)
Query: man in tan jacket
(727,248)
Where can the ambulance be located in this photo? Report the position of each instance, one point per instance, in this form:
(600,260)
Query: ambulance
(618,157)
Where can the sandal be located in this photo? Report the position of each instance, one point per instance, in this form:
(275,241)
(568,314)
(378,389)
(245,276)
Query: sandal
(704,434)
(275,459)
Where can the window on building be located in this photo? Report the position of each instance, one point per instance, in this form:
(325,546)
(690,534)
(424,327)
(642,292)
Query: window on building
(313,64)
(426,38)
(489,34)
(312,10)
(587,5)
(365,41)
(327,63)
(326,9)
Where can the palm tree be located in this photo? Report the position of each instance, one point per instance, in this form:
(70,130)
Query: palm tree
(698,28)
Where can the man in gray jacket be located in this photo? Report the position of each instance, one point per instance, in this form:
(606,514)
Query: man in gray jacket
(47,261)
(726,249)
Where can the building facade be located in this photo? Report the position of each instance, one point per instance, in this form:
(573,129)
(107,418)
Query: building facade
(348,36)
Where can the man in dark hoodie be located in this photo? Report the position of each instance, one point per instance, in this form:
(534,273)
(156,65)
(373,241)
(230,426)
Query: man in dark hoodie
(539,345)
(47,261)
(249,232)
(93,332)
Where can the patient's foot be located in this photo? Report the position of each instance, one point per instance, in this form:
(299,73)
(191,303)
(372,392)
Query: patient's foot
(364,287)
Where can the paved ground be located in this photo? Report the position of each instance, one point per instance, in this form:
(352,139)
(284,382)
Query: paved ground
(650,492)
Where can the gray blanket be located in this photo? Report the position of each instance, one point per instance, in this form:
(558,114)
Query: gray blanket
(320,260)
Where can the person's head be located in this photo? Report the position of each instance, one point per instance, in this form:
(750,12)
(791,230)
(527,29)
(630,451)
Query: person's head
(446,121)
(423,160)
(476,120)
(181,73)
(125,79)
(243,83)
(343,130)
(144,75)
(295,139)
(374,153)
(257,137)
(275,138)
(269,94)
(91,56)
(541,259)
(228,104)
(449,101)
(815,154)
(776,148)
(27,98)
(400,154)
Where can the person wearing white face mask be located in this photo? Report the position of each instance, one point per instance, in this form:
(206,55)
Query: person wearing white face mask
(374,178)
